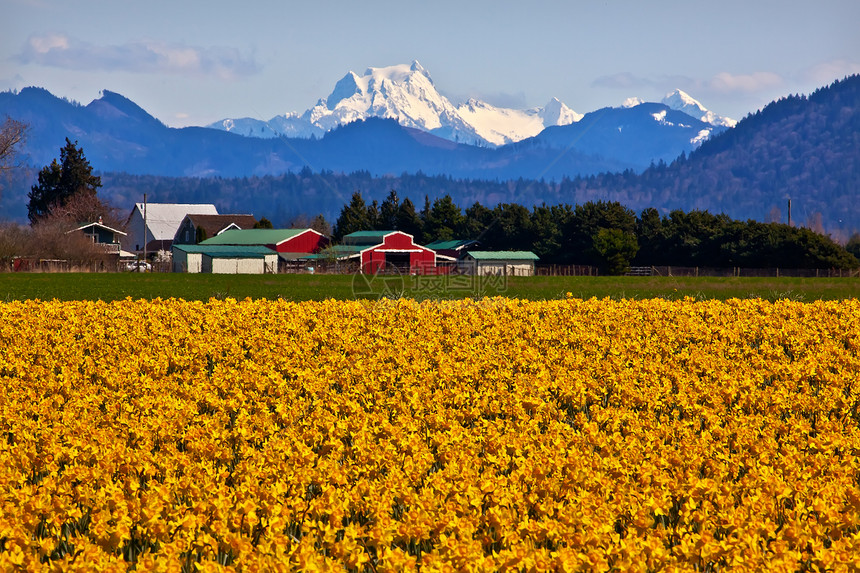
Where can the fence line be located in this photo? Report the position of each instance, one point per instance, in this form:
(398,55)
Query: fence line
(565,271)
(60,265)
(776,272)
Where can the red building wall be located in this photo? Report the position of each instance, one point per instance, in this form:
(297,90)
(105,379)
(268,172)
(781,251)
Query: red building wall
(420,260)
(307,242)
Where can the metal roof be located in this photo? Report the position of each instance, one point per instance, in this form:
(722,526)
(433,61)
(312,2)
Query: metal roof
(503,255)
(254,236)
(449,245)
(366,238)
(163,219)
(246,251)
(217,224)
(296,256)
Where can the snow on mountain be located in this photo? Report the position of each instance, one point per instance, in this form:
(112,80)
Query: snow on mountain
(703,134)
(247,126)
(557,113)
(287,125)
(407,94)
(403,93)
(501,126)
(682,101)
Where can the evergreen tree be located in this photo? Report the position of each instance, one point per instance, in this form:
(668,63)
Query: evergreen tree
(60,181)
(320,225)
(586,222)
(616,248)
(425,212)
(353,217)
(445,220)
(512,230)
(546,232)
(853,245)
(388,212)
(263,223)
(478,220)
(373,218)
(408,221)
(649,231)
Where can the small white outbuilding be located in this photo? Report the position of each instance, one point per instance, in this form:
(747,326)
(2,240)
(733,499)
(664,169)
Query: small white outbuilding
(504,263)
(224,259)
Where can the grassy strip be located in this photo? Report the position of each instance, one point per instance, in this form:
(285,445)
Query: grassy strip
(116,286)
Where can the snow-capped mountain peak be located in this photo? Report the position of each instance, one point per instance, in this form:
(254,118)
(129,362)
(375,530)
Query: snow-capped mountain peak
(557,113)
(682,101)
(407,94)
(500,126)
(347,87)
(402,92)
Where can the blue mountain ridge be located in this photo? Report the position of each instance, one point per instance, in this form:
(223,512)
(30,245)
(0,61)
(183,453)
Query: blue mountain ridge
(117,135)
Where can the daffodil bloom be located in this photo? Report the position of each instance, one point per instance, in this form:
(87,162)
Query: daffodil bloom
(477,435)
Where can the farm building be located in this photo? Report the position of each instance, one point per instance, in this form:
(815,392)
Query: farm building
(195,228)
(507,263)
(224,259)
(162,220)
(108,239)
(454,248)
(301,241)
(372,250)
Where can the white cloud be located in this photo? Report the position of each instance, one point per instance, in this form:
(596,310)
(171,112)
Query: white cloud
(726,83)
(723,83)
(60,51)
(826,73)
(623,80)
(628,81)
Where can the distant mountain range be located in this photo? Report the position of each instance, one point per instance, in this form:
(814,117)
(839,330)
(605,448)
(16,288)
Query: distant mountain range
(118,135)
(641,154)
(408,95)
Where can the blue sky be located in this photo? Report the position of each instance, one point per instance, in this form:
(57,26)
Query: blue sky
(191,62)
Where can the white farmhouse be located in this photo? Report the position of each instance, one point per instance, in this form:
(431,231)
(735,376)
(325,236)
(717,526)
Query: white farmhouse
(162,222)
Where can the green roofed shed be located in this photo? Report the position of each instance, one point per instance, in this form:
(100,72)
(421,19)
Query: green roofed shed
(503,255)
(224,259)
(507,263)
(253,237)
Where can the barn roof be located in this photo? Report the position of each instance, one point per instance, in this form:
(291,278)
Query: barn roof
(367,238)
(450,245)
(254,236)
(238,251)
(163,219)
(215,224)
(503,255)
(338,252)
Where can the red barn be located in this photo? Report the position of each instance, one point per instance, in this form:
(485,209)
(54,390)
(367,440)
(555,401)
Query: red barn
(373,249)
(299,241)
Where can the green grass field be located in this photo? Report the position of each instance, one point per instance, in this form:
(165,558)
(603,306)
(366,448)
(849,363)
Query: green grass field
(114,286)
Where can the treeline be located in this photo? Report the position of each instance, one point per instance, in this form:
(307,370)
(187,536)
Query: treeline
(800,147)
(605,234)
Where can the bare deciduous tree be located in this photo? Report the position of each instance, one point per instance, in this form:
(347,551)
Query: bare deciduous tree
(85,208)
(12,134)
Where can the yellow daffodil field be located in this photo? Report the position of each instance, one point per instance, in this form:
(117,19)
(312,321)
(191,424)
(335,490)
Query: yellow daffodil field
(485,435)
